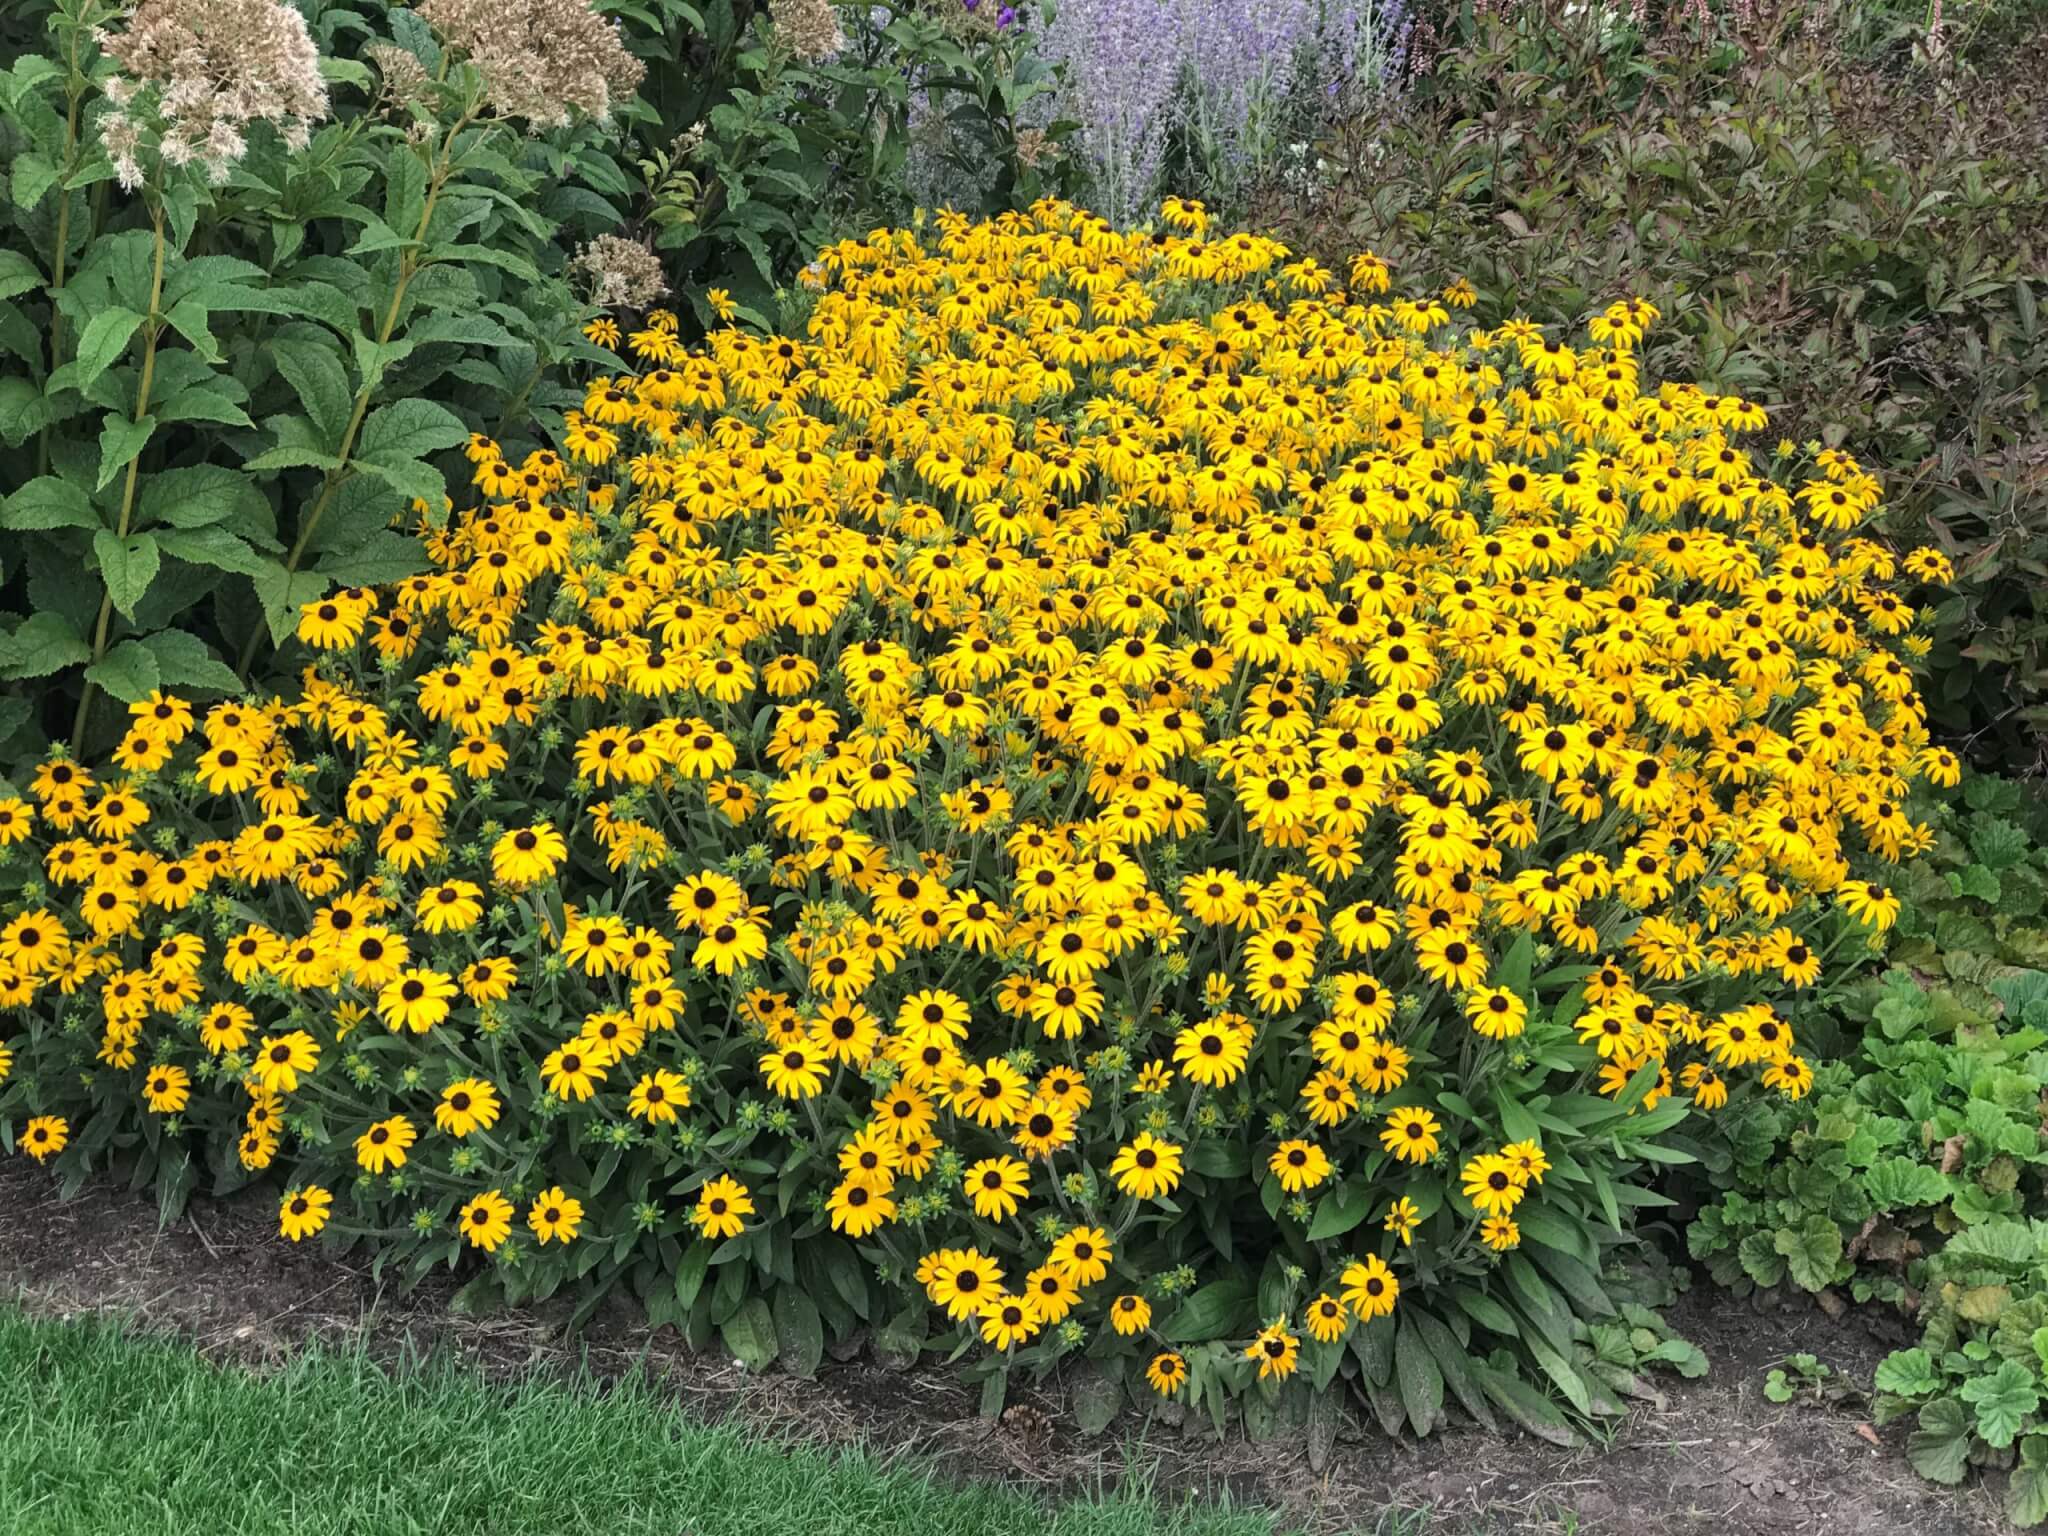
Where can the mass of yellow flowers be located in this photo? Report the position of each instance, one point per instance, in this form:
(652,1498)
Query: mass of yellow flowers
(1103,761)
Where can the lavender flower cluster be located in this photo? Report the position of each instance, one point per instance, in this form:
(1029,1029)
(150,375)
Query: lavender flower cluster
(1227,76)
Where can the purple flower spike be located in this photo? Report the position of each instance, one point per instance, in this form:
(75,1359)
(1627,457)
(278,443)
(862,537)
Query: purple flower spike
(1006,15)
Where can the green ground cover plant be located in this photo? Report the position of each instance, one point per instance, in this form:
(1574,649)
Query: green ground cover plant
(1913,1175)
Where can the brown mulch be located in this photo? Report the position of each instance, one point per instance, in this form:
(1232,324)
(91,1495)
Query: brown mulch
(1717,1457)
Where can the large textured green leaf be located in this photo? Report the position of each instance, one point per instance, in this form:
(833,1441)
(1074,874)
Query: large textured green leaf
(104,339)
(1218,1310)
(46,503)
(2003,1400)
(799,1332)
(1420,1380)
(750,1334)
(183,661)
(128,671)
(47,642)
(127,566)
(1940,1448)
(1340,1210)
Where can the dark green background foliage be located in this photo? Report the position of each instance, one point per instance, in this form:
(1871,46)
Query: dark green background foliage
(192,449)
(1831,222)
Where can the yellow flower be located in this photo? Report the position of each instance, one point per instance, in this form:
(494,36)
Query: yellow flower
(303,1211)
(486,1221)
(555,1216)
(723,1205)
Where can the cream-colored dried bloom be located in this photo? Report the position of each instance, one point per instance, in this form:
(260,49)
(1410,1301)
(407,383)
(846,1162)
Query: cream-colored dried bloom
(404,76)
(808,28)
(1035,148)
(541,60)
(200,72)
(623,273)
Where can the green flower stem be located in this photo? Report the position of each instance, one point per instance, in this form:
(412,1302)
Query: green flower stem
(408,268)
(153,327)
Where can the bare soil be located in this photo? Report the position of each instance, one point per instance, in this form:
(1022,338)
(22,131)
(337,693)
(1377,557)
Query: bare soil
(1717,1457)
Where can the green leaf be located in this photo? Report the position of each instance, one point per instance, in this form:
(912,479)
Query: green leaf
(799,1332)
(18,274)
(384,556)
(1340,1210)
(198,495)
(104,339)
(183,661)
(120,441)
(315,371)
(409,429)
(2004,1400)
(1096,1396)
(1420,1381)
(128,672)
(2026,1497)
(217,548)
(198,403)
(127,566)
(750,1334)
(47,642)
(46,503)
(1452,1360)
(1900,1183)
(33,176)
(283,593)
(1218,1310)
(1812,1251)
(1526,1406)
(696,1263)
(1909,1373)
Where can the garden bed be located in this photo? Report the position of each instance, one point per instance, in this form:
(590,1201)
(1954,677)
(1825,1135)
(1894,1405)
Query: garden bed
(1718,1455)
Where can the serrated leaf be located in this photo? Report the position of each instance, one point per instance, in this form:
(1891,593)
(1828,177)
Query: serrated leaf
(1908,1372)
(1811,1251)
(183,661)
(127,566)
(46,503)
(317,375)
(283,593)
(1900,1183)
(128,672)
(196,495)
(407,430)
(47,642)
(217,548)
(120,441)
(104,339)
(2003,1400)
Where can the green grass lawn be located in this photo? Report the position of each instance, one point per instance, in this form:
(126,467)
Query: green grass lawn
(104,1432)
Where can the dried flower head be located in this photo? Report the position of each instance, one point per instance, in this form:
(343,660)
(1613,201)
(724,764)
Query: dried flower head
(541,60)
(808,28)
(197,73)
(623,273)
(404,76)
(1035,148)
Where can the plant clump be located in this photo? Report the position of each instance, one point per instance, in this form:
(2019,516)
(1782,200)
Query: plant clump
(1111,792)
